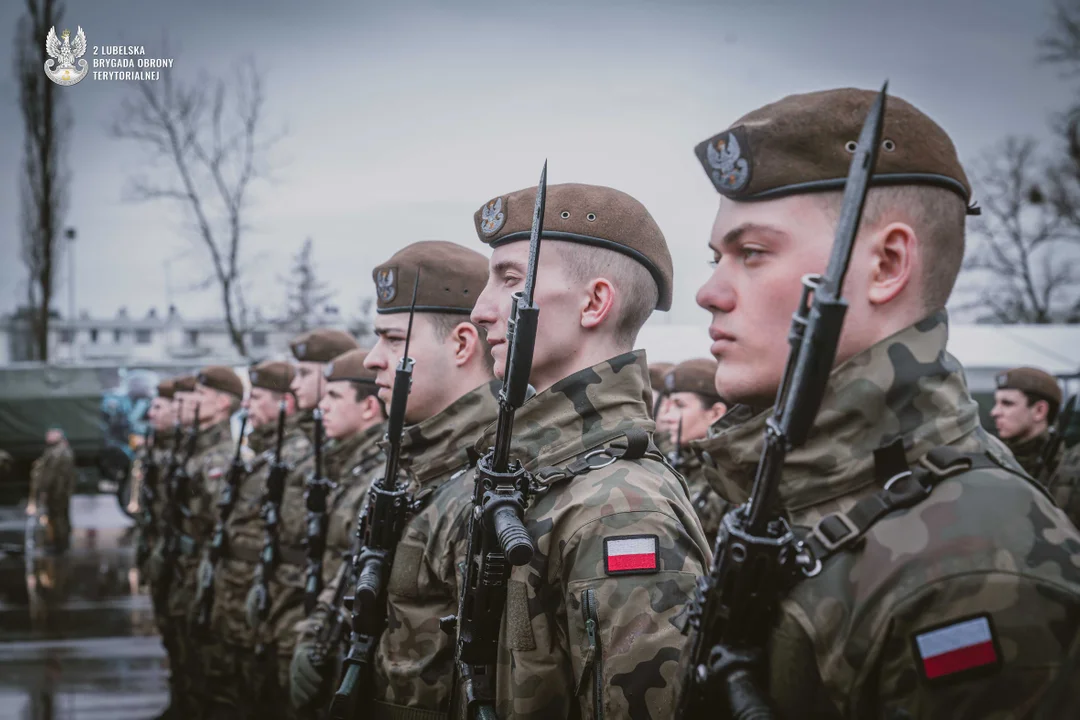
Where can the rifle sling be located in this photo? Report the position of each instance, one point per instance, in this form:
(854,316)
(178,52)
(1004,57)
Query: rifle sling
(638,445)
(903,488)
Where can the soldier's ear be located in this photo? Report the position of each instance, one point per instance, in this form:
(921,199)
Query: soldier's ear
(1040,411)
(465,343)
(893,252)
(598,302)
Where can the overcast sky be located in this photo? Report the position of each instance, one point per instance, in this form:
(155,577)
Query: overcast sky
(404,117)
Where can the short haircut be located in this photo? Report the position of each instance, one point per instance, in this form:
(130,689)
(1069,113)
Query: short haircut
(935,214)
(1052,411)
(636,293)
(442,324)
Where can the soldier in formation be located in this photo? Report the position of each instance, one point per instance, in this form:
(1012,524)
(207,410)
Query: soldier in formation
(52,483)
(1026,405)
(689,407)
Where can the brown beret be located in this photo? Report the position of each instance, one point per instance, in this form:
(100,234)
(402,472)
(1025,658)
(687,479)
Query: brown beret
(804,143)
(165,389)
(451,278)
(1031,380)
(587,214)
(272,375)
(223,379)
(657,371)
(696,376)
(185,383)
(322,345)
(349,366)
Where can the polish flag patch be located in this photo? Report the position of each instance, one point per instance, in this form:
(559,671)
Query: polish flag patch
(631,554)
(958,648)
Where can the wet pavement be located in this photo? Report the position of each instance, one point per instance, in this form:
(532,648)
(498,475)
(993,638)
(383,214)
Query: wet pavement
(77,635)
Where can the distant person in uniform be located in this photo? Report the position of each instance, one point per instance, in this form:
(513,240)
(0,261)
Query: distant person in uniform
(52,482)
(6,464)
(1026,405)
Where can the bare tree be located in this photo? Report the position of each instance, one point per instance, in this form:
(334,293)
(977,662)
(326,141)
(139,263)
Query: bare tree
(1061,45)
(1021,240)
(361,325)
(307,295)
(209,141)
(44,179)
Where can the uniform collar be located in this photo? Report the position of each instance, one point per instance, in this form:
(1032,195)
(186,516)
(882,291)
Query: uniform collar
(346,453)
(581,412)
(906,386)
(434,447)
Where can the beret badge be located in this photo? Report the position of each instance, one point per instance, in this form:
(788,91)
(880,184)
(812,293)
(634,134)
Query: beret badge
(1002,379)
(730,165)
(492,217)
(385,284)
(253,376)
(329,369)
(301,350)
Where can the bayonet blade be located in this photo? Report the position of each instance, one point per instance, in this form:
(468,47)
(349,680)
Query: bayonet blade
(534,235)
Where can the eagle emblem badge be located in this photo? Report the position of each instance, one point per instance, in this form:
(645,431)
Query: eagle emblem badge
(730,169)
(385,285)
(64,54)
(492,217)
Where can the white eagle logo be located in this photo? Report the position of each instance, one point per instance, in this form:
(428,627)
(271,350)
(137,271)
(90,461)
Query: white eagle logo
(730,169)
(64,55)
(384,285)
(492,217)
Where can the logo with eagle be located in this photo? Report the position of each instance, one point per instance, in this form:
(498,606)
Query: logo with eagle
(64,53)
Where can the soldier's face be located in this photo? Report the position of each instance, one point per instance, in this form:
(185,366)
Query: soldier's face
(262,406)
(308,384)
(1015,418)
(161,414)
(434,364)
(213,404)
(696,416)
(559,333)
(761,250)
(343,414)
(184,404)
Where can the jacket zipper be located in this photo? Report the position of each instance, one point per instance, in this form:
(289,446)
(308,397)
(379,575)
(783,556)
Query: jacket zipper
(592,629)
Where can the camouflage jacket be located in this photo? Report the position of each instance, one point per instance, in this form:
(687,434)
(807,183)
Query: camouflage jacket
(1029,452)
(618,549)
(206,470)
(414,662)
(52,478)
(363,461)
(710,507)
(963,605)
(1064,485)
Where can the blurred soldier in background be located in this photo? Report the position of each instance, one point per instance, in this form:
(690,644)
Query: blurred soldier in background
(52,482)
(1026,404)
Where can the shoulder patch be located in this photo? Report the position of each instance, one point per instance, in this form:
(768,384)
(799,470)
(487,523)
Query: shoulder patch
(958,649)
(626,554)
(215,472)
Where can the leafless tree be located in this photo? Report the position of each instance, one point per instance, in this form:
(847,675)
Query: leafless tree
(307,295)
(44,178)
(362,326)
(1021,242)
(209,143)
(1061,44)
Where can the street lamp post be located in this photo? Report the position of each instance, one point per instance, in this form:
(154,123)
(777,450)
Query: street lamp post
(70,235)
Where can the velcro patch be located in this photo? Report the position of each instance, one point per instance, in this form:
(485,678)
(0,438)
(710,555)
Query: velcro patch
(626,554)
(957,649)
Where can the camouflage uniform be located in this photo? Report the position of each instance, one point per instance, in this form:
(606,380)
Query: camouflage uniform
(710,507)
(1063,484)
(985,546)
(52,482)
(549,665)
(209,460)
(1028,452)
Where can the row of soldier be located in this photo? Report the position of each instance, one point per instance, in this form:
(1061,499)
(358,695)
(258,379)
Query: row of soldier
(959,600)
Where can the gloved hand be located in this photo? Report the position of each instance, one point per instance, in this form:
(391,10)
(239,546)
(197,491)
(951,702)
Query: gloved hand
(307,681)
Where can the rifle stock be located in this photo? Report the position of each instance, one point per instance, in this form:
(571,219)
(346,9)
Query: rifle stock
(757,557)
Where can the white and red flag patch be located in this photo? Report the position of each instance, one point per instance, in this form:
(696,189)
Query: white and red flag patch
(959,647)
(631,554)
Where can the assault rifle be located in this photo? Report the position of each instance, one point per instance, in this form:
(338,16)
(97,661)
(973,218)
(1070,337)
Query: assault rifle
(1053,443)
(176,484)
(379,527)
(497,534)
(217,543)
(271,513)
(675,455)
(757,557)
(318,487)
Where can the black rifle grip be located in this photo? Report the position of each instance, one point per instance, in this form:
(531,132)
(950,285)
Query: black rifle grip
(513,537)
(369,585)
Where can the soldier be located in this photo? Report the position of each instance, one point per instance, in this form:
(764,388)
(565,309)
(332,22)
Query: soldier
(147,472)
(277,632)
(52,482)
(1064,482)
(414,659)
(217,394)
(1026,405)
(657,372)
(590,625)
(961,600)
(690,406)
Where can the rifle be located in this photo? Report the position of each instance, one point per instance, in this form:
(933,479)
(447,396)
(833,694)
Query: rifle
(175,487)
(318,487)
(330,633)
(675,455)
(379,527)
(1053,443)
(757,557)
(271,513)
(225,506)
(497,535)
